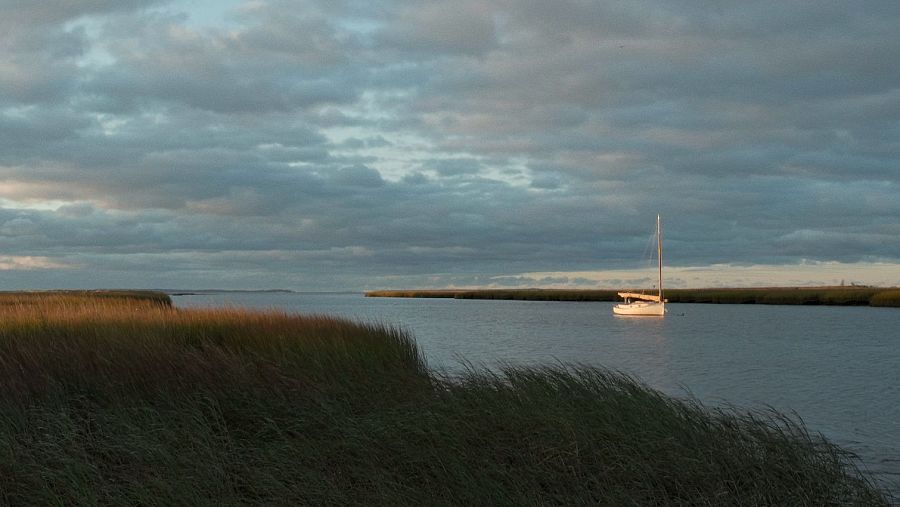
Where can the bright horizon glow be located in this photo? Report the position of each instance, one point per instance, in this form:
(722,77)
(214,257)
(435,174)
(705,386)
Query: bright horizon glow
(809,274)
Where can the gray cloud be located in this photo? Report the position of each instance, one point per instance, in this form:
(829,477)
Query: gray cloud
(349,144)
(434,29)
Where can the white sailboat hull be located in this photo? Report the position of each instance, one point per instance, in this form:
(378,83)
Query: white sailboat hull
(643,308)
(646,304)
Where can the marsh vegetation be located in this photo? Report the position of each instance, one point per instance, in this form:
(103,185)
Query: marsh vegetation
(107,400)
(843,296)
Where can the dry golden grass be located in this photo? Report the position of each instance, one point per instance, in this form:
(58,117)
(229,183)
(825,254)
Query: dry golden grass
(840,296)
(64,341)
(886,298)
(128,401)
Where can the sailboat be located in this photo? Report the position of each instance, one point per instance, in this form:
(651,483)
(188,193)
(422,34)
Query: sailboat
(645,304)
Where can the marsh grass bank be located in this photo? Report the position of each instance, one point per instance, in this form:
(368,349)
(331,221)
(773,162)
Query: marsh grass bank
(56,298)
(842,296)
(123,401)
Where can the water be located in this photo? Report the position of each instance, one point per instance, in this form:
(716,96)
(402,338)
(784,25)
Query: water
(836,367)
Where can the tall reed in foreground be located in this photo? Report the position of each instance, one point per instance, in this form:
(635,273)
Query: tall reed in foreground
(107,401)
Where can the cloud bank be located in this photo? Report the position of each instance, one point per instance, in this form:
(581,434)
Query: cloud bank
(348,145)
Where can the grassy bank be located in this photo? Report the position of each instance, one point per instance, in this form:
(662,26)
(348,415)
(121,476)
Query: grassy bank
(125,401)
(843,296)
(76,297)
(518,294)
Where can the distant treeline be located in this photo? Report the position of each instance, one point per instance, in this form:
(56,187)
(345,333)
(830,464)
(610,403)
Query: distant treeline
(842,296)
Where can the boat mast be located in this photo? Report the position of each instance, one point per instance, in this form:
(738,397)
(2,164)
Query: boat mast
(659,256)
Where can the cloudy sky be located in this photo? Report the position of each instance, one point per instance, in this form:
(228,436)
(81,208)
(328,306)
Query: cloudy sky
(361,144)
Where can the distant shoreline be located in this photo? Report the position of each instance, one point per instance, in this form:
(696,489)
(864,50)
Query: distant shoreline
(205,292)
(833,296)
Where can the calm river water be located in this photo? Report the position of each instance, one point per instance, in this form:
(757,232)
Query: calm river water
(838,368)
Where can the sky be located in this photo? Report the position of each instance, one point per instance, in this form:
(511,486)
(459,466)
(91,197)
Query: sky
(373,144)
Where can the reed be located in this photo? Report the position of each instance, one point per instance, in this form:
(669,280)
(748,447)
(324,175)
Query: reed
(516,294)
(82,296)
(886,298)
(413,293)
(125,401)
(842,296)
